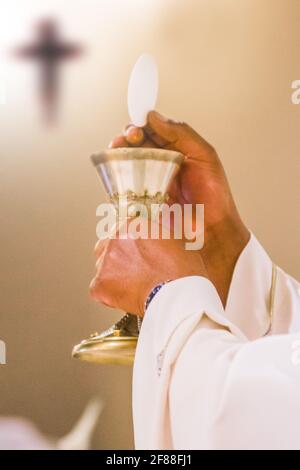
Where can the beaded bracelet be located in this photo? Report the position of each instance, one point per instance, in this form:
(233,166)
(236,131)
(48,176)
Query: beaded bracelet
(153,293)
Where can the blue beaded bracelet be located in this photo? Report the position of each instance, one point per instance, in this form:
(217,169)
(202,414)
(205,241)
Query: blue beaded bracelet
(153,293)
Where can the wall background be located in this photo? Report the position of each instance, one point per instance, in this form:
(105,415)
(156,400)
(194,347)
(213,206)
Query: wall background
(226,67)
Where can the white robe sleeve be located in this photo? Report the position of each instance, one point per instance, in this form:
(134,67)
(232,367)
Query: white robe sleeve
(235,395)
(199,383)
(249,298)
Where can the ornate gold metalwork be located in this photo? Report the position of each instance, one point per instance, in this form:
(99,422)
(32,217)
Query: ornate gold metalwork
(116,345)
(272,298)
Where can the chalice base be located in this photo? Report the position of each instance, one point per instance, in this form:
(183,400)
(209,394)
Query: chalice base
(116,345)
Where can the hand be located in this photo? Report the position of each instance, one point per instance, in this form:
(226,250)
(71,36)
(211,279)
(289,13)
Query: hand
(127,270)
(201,180)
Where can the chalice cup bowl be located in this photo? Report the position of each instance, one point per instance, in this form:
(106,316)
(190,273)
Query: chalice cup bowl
(135,177)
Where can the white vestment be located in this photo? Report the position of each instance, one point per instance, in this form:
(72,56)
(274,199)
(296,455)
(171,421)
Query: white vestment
(209,378)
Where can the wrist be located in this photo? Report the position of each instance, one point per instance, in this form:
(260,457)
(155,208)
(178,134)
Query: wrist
(230,236)
(223,246)
(150,292)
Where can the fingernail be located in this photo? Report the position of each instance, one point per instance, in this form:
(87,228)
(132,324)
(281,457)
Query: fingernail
(134,135)
(176,121)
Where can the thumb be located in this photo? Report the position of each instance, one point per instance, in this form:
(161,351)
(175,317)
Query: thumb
(179,136)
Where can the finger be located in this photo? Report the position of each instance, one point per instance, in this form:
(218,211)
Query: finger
(149,144)
(137,137)
(119,141)
(99,261)
(179,136)
(100,247)
(134,136)
(157,139)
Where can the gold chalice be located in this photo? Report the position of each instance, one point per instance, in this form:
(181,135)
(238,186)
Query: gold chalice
(137,177)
